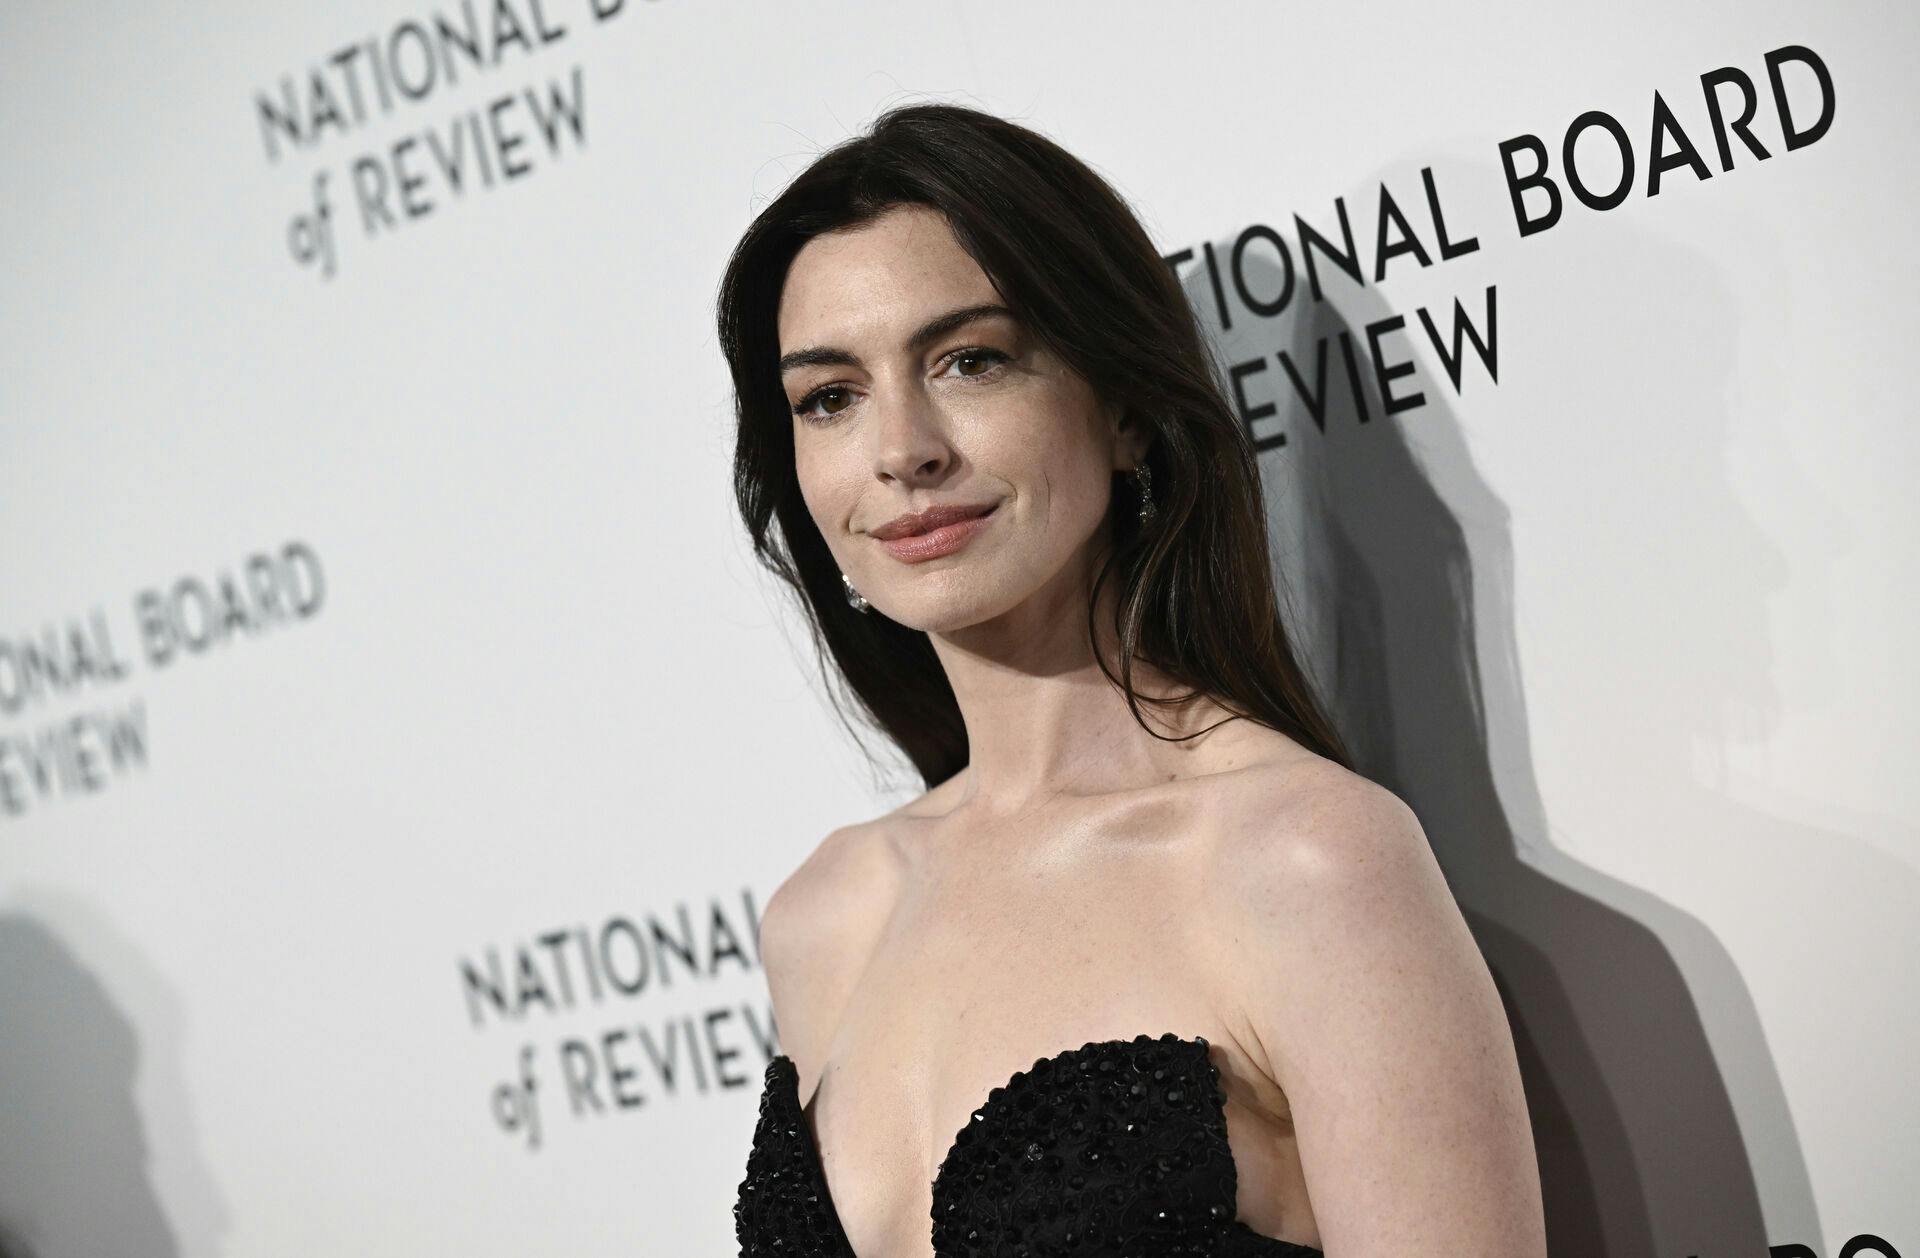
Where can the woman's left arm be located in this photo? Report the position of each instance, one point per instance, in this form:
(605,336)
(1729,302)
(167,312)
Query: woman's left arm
(1351,966)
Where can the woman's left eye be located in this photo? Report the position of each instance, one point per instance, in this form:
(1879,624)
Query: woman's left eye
(979,353)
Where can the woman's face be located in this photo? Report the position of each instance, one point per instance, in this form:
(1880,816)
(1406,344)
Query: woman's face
(976,413)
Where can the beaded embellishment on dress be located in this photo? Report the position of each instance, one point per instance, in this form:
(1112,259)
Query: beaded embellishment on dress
(1118,1147)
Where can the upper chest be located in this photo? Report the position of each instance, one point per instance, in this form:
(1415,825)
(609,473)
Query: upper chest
(1000,949)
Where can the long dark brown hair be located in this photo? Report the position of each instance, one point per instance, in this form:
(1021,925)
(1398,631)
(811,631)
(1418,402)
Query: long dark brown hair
(1196,590)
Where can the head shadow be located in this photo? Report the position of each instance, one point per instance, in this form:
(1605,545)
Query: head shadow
(85,1083)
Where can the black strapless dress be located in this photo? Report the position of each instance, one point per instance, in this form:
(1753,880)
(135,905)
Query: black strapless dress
(1116,1148)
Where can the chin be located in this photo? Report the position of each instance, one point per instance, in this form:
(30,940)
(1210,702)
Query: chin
(937,611)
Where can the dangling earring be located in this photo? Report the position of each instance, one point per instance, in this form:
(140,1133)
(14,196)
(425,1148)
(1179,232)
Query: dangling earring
(1143,482)
(855,599)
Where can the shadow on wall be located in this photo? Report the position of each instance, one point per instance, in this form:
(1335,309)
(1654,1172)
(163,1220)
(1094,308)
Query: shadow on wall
(12,1246)
(1397,576)
(80,1179)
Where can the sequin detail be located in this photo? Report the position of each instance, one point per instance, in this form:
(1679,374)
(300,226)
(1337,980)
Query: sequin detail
(1116,1148)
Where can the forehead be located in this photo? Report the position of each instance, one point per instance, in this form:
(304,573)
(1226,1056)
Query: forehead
(878,281)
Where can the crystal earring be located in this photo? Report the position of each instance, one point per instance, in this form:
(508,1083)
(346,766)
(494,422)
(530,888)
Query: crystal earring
(855,599)
(1143,482)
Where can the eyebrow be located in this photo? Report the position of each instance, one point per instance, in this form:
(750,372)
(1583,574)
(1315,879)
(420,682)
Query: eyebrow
(928,332)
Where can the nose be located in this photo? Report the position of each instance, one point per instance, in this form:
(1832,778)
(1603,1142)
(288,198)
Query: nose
(910,441)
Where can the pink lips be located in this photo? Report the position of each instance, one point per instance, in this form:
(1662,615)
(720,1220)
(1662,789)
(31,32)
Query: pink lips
(920,547)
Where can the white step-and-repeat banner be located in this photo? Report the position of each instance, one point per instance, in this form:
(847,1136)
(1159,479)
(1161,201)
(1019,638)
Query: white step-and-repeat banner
(397,743)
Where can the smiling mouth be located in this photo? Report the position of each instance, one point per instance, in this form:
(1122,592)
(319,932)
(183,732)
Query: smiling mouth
(927,521)
(935,542)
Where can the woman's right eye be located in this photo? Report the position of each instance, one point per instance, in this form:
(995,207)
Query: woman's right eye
(805,404)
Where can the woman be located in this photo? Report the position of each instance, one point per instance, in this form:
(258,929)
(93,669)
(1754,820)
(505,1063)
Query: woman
(1149,968)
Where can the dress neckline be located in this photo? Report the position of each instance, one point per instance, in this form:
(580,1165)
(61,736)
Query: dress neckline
(786,1076)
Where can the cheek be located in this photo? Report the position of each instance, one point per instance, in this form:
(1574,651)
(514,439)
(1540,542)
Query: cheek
(1076,477)
(823,486)
(813,487)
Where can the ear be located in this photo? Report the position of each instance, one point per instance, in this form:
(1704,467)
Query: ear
(1131,439)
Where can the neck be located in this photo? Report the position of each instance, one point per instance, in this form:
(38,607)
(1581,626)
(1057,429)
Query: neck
(1043,721)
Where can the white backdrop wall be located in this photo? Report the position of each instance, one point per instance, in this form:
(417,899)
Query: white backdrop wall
(397,743)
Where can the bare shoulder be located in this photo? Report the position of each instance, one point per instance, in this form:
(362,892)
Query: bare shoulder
(816,931)
(1308,858)
(1337,952)
(1304,820)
